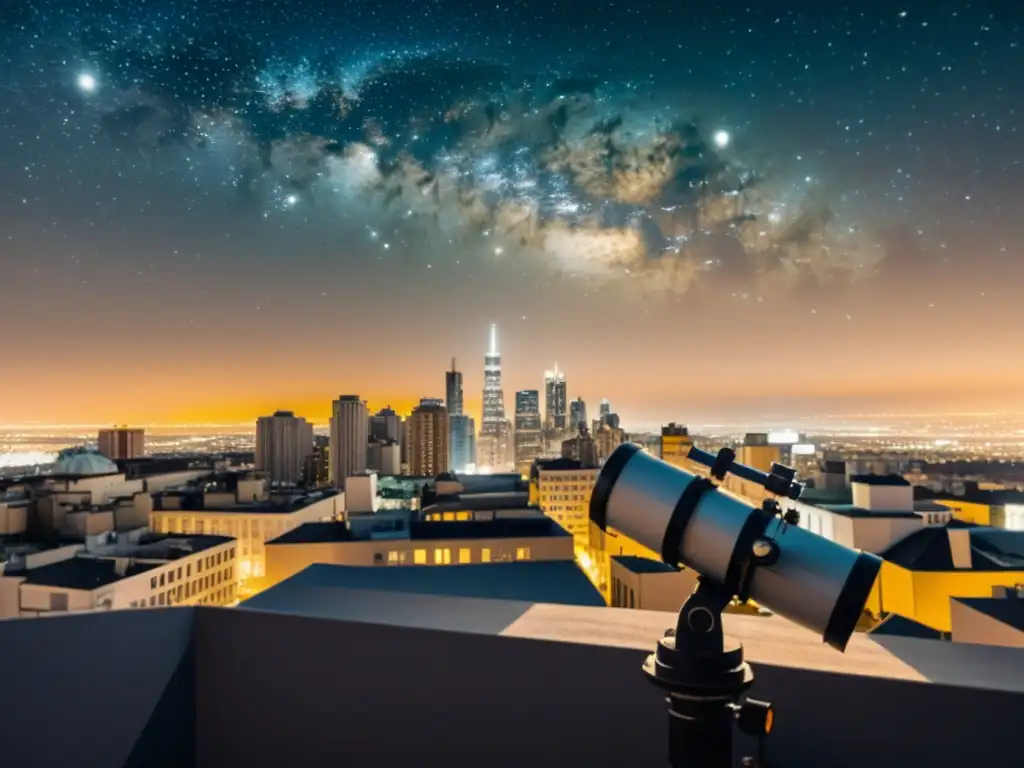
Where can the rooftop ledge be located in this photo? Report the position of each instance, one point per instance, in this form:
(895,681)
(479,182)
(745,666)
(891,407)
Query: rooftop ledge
(373,678)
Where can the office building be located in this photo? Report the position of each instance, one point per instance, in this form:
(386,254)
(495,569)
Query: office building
(462,449)
(428,438)
(283,444)
(244,508)
(675,446)
(453,391)
(122,443)
(581,448)
(317,468)
(111,572)
(603,410)
(562,488)
(502,540)
(349,437)
(607,439)
(383,457)
(385,424)
(493,448)
(577,414)
(527,438)
(554,399)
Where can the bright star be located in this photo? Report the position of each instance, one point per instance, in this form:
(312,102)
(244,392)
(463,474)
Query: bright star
(292,199)
(721,138)
(87,82)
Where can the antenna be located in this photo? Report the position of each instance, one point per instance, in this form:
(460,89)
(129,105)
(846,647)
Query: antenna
(453,365)
(494,340)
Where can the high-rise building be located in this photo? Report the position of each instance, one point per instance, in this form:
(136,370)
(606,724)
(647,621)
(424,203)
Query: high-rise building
(528,429)
(122,443)
(581,448)
(317,470)
(283,443)
(384,457)
(577,414)
(554,399)
(494,430)
(453,391)
(607,439)
(385,424)
(428,438)
(462,447)
(349,437)
(461,437)
(605,409)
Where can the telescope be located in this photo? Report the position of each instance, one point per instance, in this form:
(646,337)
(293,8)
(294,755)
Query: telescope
(742,552)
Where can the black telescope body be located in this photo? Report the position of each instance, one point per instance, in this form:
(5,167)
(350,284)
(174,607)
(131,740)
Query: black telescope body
(810,580)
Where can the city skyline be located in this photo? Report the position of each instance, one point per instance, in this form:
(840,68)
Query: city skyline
(261,209)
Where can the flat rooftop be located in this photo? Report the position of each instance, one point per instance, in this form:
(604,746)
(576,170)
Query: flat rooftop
(326,590)
(86,573)
(270,507)
(1007,610)
(636,564)
(499,528)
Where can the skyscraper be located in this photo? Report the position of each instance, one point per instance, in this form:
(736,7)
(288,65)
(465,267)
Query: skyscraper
(528,429)
(283,443)
(385,424)
(122,443)
(495,428)
(554,399)
(317,471)
(349,437)
(428,439)
(606,408)
(453,391)
(577,414)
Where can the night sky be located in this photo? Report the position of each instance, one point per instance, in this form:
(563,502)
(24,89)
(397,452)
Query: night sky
(212,209)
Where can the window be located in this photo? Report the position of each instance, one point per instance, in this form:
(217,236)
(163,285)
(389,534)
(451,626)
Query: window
(179,573)
(631,601)
(522,553)
(152,601)
(170,577)
(442,556)
(420,557)
(152,583)
(163,598)
(465,555)
(485,555)
(378,558)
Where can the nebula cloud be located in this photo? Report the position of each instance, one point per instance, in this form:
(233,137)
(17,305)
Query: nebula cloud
(567,170)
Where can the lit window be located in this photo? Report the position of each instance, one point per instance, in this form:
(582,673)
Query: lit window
(420,557)
(485,555)
(393,558)
(465,556)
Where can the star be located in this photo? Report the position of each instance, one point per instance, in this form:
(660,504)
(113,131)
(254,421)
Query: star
(86,82)
(722,139)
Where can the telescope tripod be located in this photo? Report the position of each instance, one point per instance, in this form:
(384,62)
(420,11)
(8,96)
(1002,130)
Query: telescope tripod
(704,674)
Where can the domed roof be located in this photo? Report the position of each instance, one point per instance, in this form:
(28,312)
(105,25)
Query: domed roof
(83,461)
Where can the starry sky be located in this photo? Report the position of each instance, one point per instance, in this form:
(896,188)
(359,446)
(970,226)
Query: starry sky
(209,210)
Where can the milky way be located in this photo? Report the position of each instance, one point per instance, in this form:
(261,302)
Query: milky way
(599,177)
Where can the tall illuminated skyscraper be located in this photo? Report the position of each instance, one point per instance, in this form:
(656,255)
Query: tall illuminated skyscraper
(428,439)
(554,399)
(453,391)
(494,429)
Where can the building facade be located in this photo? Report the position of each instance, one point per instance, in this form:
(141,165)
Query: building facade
(349,438)
(577,414)
(562,489)
(555,416)
(122,443)
(462,448)
(428,438)
(284,442)
(317,468)
(675,446)
(494,429)
(528,436)
(385,424)
(151,571)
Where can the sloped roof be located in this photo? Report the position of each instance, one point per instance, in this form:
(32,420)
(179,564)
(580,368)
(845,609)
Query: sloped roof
(992,549)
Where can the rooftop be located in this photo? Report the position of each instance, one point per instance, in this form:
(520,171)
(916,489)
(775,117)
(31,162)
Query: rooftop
(849,510)
(892,480)
(80,572)
(636,564)
(991,549)
(1008,610)
(331,590)
(521,683)
(500,528)
(479,502)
